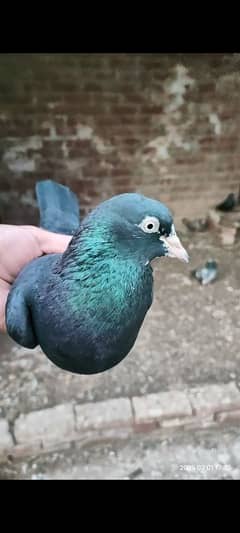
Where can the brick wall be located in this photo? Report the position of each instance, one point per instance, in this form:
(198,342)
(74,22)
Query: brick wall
(165,125)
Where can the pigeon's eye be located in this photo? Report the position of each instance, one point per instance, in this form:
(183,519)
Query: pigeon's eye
(150,225)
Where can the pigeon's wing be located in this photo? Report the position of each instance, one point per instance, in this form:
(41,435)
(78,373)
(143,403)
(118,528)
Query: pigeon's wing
(58,206)
(19,322)
(18,314)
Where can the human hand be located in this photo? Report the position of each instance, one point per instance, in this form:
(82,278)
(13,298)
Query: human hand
(18,246)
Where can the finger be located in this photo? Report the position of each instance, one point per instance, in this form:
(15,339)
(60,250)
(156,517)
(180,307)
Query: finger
(51,243)
(4,290)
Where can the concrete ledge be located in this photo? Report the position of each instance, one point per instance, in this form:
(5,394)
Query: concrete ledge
(58,427)
(48,425)
(111,413)
(214,398)
(5,437)
(161,406)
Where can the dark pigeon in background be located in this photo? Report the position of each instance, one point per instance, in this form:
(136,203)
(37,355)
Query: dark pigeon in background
(85,307)
(229,203)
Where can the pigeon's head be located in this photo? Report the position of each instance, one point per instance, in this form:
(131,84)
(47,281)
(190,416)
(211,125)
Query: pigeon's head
(141,226)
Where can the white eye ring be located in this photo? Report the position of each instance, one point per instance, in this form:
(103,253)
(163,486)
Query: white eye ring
(150,225)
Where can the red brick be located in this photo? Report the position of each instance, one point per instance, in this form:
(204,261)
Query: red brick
(91,171)
(135,98)
(126,87)
(131,141)
(92,87)
(123,182)
(82,149)
(120,171)
(108,120)
(102,75)
(78,97)
(207,87)
(152,109)
(125,110)
(159,76)
(207,140)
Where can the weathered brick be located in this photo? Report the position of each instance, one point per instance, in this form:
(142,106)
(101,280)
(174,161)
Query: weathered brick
(161,406)
(152,109)
(228,416)
(5,437)
(134,98)
(121,172)
(109,414)
(214,398)
(124,109)
(49,425)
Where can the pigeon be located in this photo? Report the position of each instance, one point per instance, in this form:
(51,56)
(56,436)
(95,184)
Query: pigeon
(229,203)
(208,273)
(85,307)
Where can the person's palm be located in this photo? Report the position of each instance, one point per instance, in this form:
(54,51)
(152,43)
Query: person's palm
(18,246)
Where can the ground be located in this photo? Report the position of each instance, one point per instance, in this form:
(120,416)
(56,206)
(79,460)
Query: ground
(190,337)
(201,454)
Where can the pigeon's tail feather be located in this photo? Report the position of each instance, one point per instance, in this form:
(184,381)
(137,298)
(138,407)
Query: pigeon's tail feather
(58,206)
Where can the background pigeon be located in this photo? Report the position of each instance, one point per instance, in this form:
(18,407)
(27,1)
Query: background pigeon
(208,273)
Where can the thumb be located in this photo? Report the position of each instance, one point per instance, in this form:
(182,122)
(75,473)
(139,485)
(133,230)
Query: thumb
(51,243)
(4,290)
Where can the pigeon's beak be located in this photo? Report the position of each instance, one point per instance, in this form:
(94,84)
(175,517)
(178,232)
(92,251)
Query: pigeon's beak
(174,247)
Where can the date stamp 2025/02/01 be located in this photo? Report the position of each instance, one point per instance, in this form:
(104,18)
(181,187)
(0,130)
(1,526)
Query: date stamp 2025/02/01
(204,468)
